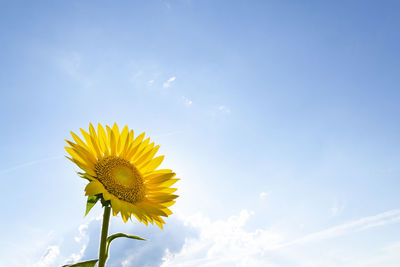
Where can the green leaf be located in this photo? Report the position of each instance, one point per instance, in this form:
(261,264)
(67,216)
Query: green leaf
(90,263)
(114,236)
(91,201)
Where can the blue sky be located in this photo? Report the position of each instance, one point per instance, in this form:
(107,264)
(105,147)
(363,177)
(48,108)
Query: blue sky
(280,117)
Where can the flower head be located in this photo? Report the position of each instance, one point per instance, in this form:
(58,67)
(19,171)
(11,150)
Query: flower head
(121,169)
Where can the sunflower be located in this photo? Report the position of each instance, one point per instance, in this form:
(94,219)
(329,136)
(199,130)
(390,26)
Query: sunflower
(122,172)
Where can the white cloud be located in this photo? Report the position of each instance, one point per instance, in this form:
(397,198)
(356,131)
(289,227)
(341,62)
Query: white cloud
(228,243)
(197,240)
(49,257)
(168,82)
(223,243)
(81,238)
(224,109)
(150,83)
(126,252)
(186,101)
(75,257)
(82,232)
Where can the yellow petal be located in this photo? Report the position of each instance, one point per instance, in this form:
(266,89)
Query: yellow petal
(156,190)
(159,221)
(82,166)
(94,188)
(147,156)
(143,150)
(162,198)
(103,141)
(170,182)
(92,131)
(151,209)
(168,204)
(124,216)
(73,154)
(131,150)
(113,144)
(138,213)
(95,141)
(88,158)
(159,178)
(88,140)
(116,206)
(136,145)
(123,139)
(115,130)
(78,140)
(140,149)
(154,163)
(167,211)
(125,147)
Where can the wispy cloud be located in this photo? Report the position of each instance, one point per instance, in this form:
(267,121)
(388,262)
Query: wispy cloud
(224,109)
(27,164)
(168,5)
(264,195)
(137,74)
(337,208)
(71,65)
(168,82)
(186,101)
(49,257)
(150,83)
(388,217)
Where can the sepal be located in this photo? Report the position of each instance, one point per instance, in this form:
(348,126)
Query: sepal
(91,201)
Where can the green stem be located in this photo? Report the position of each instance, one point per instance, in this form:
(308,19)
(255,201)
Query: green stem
(103,238)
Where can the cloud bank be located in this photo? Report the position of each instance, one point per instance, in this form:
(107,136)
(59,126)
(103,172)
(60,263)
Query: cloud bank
(197,240)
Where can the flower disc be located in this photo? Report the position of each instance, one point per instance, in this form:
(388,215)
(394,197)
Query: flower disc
(121,178)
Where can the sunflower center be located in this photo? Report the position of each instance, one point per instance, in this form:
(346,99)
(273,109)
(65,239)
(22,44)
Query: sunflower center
(120,178)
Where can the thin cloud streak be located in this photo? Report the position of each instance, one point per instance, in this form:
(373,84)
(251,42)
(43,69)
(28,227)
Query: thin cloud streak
(43,160)
(382,219)
(27,164)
